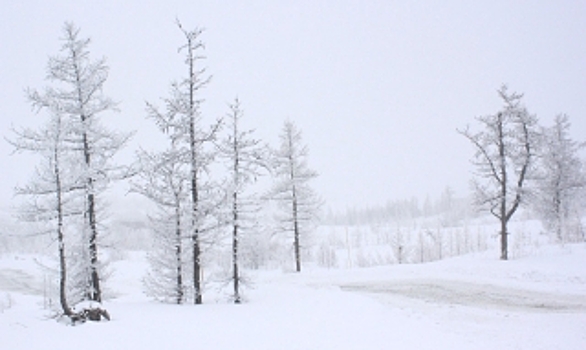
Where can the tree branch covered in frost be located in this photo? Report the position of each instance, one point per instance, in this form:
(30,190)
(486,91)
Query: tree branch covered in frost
(504,152)
(181,122)
(74,140)
(246,158)
(298,202)
(561,182)
(163,178)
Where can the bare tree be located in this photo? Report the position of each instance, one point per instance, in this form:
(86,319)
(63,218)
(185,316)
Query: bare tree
(246,157)
(298,202)
(77,97)
(182,122)
(48,189)
(559,197)
(504,154)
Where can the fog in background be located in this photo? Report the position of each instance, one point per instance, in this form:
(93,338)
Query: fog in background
(377,87)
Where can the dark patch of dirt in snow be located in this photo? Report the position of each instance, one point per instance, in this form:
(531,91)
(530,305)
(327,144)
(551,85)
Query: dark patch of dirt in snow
(474,295)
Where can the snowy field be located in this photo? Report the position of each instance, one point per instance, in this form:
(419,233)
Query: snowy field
(469,302)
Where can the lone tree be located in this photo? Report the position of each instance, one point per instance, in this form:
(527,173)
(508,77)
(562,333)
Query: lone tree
(182,122)
(561,180)
(246,159)
(76,101)
(49,189)
(298,202)
(504,155)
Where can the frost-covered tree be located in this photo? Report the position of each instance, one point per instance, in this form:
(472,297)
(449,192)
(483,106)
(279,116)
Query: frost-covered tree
(182,123)
(504,155)
(299,204)
(165,280)
(559,197)
(50,188)
(246,159)
(399,244)
(76,95)
(163,179)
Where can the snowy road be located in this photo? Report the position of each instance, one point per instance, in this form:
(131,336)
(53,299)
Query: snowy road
(482,296)
(472,302)
(16,280)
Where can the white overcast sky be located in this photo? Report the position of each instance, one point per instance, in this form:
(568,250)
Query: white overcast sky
(377,87)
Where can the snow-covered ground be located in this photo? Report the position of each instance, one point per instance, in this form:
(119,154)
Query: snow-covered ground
(469,302)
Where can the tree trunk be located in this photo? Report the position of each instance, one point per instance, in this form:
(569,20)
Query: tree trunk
(557,209)
(296,234)
(94,292)
(178,252)
(294,207)
(236,179)
(503,183)
(235,275)
(504,221)
(504,240)
(62,264)
(197,298)
(194,185)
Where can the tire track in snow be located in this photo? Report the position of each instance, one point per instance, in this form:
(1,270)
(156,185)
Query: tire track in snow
(473,295)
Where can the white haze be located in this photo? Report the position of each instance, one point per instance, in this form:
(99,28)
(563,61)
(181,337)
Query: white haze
(377,87)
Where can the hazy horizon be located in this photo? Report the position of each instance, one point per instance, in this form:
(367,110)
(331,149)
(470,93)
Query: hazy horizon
(378,88)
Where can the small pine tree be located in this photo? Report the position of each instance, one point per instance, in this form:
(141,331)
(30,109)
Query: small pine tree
(49,189)
(561,182)
(83,147)
(299,205)
(163,179)
(246,159)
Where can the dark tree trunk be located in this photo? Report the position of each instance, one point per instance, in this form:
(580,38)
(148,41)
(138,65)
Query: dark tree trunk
(197,299)
(504,241)
(503,183)
(63,275)
(294,208)
(296,234)
(194,170)
(62,264)
(94,291)
(178,252)
(195,227)
(235,273)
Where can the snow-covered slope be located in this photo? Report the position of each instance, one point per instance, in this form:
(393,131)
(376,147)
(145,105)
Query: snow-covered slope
(469,302)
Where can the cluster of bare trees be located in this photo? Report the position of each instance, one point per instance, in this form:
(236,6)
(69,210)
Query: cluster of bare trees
(193,206)
(518,162)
